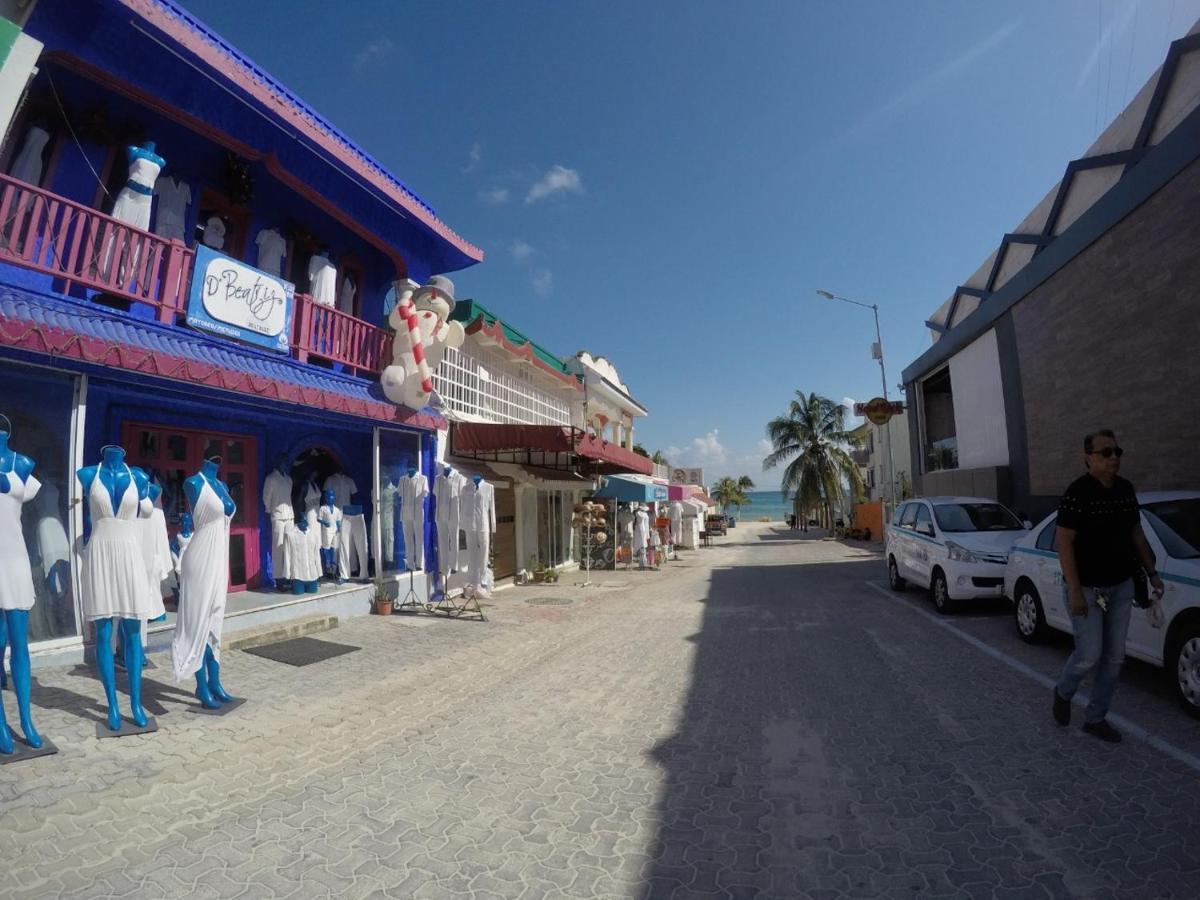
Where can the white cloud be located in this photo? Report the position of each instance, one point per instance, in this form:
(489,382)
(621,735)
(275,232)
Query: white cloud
(375,50)
(495,196)
(765,448)
(474,158)
(558,180)
(522,251)
(543,282)
(673,453)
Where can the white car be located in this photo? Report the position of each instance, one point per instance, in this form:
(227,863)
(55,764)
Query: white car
(1171,521)
(956,547)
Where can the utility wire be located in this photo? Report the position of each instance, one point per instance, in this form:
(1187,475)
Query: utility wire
(74,136)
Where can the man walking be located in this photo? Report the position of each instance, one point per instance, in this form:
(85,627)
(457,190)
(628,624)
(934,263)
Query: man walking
(1100,542)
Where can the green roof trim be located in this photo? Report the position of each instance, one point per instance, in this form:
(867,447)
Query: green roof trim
(467,311)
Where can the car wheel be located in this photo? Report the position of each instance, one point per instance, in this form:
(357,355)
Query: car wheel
(940,591)
(1184,667)
(897,583)
(1029,615)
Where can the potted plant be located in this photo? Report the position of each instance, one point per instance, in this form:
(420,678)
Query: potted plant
(383,602)
(551,576)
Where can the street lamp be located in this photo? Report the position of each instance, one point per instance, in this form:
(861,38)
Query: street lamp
(877,352)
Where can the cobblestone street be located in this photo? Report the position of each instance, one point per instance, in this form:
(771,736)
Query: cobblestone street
(753,720)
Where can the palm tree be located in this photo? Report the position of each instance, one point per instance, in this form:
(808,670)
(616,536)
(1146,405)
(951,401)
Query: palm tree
(822,472)
(728,492)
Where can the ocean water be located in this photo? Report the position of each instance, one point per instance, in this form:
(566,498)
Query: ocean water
(764,503)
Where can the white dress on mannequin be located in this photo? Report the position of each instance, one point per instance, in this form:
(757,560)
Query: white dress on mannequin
(447,497)
(322,280)
(16,575)
(113,570)
(478,505)
(300,560)
(133,206)
(413,491)
(641,532)
(29,166)
(203,585)
(156,551)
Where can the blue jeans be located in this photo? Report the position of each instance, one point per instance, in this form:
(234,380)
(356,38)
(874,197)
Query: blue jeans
(1099,645)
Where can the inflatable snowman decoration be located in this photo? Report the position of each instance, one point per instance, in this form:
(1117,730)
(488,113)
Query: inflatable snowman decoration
(422,336)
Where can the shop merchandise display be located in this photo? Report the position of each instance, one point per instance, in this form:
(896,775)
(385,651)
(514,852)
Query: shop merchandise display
(329,514)
(114,574)
(675,513)
(277,500)
(352,543)
(301,560)
(203,586)
(346,295)
(414,488)
(272,248)
(214,233)
(387,518)
(29,164)
(156,546)
(180,542)
(343,487)
(18,486)
(174,197)
(447,515)
(478,503)
(641,533)
(322,280)
(134,201)
(53,545)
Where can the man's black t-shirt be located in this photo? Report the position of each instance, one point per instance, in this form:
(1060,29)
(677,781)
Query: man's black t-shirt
(1103,520)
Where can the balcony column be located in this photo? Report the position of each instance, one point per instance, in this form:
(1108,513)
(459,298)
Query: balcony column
(629,436)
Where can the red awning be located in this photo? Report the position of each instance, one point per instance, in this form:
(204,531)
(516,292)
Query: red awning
(473,438)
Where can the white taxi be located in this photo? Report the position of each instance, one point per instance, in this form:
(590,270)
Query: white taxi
(1171,521)
(956,547)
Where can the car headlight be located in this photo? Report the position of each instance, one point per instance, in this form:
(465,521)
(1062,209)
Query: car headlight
(959,553)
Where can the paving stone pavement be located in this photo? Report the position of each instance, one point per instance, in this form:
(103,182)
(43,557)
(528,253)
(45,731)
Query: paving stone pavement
(748,722)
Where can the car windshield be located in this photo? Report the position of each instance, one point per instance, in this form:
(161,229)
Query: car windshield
(1177,524)
(955,517)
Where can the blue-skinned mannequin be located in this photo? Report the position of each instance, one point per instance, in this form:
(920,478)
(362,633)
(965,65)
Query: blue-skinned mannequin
(477,479)
(209,690)
(14,623)
(117,478)
(329,517)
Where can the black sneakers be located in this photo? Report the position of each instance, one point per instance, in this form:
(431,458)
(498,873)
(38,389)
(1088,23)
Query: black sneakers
(1062,709)
(1103,730)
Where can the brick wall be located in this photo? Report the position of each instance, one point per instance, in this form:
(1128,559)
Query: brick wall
(1113,340)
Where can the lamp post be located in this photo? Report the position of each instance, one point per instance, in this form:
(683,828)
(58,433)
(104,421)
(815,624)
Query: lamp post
(878,354)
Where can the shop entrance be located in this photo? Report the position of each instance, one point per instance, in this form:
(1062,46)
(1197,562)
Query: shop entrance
(310,469)
(172,455)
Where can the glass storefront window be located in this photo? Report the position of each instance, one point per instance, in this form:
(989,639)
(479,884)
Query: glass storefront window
(398,452)
(40,404)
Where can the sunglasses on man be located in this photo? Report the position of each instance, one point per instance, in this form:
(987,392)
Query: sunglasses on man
(1108,452)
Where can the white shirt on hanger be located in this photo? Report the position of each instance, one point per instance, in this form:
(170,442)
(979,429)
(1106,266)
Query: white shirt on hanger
(413,491)
(346,296)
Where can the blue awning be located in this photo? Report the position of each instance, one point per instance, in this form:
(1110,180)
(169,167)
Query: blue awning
(631,489)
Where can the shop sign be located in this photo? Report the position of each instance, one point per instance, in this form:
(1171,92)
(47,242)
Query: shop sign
(658,493)
(879,411)
(687,476)
(237,301)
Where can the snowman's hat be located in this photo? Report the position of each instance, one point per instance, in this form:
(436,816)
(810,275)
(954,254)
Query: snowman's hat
(440,284)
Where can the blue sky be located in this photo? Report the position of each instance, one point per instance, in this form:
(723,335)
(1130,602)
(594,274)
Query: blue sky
(668,183)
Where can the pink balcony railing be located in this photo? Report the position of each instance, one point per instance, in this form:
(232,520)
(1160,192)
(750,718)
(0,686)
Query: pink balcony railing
(77,245)
(80,246)
(331,334)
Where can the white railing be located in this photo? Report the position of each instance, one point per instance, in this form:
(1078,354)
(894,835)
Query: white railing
(485,387)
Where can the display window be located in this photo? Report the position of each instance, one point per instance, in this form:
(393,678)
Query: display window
(39,405)
(172,455)
(399,451)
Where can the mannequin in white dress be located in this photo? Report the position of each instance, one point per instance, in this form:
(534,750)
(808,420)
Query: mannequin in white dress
(272,248)
(133,206)
(114,574)
(203,586)
(277,498)
(17,487)
(322,279)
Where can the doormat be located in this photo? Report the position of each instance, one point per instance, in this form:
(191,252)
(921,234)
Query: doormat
(301,651)
(549,601)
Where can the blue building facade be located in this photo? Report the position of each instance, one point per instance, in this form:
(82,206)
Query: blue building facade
(102,335)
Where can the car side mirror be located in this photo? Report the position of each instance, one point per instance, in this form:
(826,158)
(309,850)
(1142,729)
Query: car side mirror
(925,529)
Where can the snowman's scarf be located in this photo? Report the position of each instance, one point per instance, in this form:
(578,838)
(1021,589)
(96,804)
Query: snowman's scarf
(408,312)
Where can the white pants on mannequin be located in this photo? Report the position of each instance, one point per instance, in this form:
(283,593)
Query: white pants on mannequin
(352,546)
(414,541)
(479,545)
(447,536)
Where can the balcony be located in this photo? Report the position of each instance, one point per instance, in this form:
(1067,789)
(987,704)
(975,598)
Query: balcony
(82,248)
